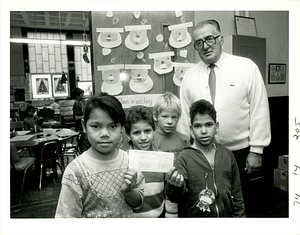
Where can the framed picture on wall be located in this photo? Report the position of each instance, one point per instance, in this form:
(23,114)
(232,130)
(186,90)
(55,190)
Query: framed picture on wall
(277,73)
(87,86)
(245,26)
(41,86)
(59,89)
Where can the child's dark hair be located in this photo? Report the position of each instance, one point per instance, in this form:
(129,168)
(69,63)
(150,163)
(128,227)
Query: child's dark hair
(136,114)
(77,91)
(30,107)
(109,104)
(202,107)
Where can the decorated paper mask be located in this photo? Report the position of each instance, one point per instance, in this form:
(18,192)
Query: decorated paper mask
(140,81)
(109,37)
(162,62)
(179,71)
(111,78)
(180,36)
(137,39)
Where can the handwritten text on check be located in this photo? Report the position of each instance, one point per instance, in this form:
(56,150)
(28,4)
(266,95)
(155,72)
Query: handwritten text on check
(151,161)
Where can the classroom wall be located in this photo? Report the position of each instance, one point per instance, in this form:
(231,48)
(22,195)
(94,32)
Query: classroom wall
(268,24)
(274,25)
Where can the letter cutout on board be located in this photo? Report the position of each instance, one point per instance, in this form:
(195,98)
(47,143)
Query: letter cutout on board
(111,78)
(179,36)
(179,71)
(109,37)
(162,62)
(137,39)
(140,81)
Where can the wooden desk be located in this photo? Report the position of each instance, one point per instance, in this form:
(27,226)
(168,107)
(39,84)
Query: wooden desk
(26,139)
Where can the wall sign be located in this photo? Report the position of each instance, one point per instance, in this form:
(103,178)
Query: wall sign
(245,26)
(130,100)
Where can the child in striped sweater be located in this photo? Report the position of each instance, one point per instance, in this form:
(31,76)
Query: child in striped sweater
(139,128)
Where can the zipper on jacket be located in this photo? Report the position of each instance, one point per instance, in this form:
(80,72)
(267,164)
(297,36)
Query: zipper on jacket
(217,209)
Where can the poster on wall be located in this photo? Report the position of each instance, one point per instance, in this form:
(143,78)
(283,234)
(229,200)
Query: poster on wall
(41,86)
(59,89)
(277,73)
(86,86)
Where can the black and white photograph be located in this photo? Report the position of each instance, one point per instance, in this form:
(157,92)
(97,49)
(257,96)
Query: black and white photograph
(103,140)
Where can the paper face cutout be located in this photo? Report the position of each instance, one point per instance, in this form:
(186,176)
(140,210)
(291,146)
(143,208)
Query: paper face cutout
(159,38)
(180,36)
(109,14)
(111,79)
(179,71)
(109,37)
(106,51)
(137,39)
(162,62)
(137,14)
(140,81)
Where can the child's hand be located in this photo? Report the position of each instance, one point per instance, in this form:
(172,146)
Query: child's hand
(174,178)
(130,178)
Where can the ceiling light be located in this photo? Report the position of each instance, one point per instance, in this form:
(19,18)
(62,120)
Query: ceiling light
(45,41)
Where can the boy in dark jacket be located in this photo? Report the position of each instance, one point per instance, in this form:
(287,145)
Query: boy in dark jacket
(206,180)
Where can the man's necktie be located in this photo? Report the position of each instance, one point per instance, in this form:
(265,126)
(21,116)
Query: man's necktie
(212,82)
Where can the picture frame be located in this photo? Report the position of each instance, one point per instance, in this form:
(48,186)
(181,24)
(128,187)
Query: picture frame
(87,86)
(245,26)
(60,89)
(277,73)
(41,86)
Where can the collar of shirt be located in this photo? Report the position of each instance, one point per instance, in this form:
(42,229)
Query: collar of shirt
(215,147)
(217,63)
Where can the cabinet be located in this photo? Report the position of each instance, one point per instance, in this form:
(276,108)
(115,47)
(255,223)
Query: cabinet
(253,48)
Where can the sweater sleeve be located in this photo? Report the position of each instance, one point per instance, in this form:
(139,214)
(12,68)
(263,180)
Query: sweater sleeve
(260,133)
(184,120)
(70,199)
(69,204)
(174,193)
(140,187)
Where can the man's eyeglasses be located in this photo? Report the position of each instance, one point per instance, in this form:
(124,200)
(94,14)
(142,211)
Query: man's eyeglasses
(210,40)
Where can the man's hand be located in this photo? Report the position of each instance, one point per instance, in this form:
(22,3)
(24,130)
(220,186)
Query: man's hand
(253,162)
(174,178)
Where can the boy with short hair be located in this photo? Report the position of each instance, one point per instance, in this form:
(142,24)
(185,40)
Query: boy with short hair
(206,181)
(166,113)
(139,128)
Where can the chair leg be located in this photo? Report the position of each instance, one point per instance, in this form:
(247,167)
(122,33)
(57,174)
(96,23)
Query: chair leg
(57,162)
(22,187)
(41,173)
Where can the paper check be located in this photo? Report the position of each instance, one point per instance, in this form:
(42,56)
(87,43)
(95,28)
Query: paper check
(151,161)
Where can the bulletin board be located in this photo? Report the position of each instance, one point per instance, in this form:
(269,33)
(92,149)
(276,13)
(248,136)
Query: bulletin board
(138,53)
